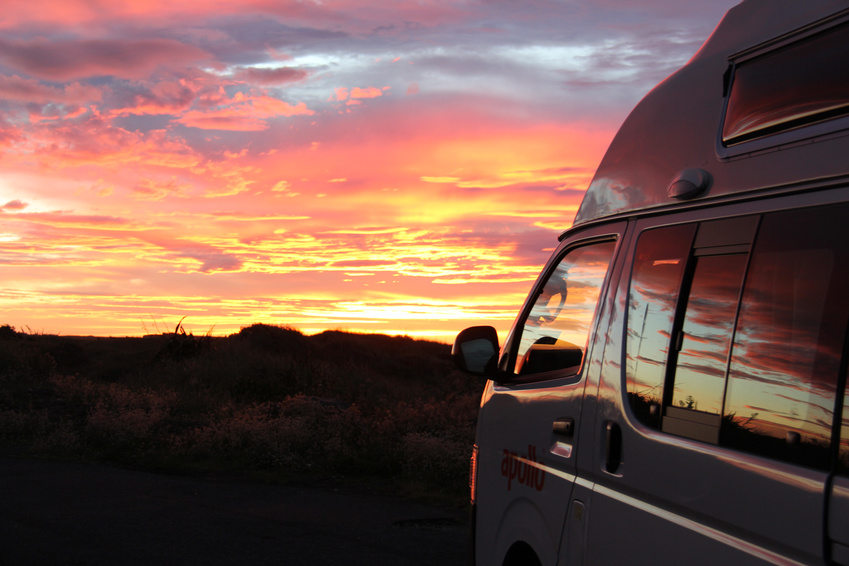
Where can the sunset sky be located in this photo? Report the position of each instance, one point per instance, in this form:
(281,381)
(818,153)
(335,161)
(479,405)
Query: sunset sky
(401,167)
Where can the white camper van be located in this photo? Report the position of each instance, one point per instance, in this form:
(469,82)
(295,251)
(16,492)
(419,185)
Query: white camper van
(674,389)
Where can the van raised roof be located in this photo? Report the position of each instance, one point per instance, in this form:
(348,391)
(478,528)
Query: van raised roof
(718,127)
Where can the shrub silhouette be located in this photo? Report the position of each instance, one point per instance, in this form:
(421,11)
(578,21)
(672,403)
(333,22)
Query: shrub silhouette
(268,400)
(8,332)
(272,338)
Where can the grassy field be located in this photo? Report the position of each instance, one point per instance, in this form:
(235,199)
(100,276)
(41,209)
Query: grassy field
(268,401)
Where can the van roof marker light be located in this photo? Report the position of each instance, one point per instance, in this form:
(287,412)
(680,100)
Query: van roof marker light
(688,184)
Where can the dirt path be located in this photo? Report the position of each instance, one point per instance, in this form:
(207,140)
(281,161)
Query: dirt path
(67,513)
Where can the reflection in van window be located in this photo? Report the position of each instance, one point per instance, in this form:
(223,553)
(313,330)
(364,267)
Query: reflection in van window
(693,403)
(786,357)
(706,334)
(659,263)
(554,336)
(761,378)
(797,85)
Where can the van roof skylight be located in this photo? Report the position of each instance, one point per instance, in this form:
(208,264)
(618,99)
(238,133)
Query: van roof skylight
(796,85)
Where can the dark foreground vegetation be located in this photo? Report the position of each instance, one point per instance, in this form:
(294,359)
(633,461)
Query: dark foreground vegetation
(268,401)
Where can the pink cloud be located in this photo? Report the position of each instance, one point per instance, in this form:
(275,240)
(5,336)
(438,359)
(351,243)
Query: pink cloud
(280,76)
(69,60)
(14,205)
(223,120)
(166,97)
(354,16)
(32,91)
(72,12)
(211,258)
(69,220)
(93,141)
(9,134)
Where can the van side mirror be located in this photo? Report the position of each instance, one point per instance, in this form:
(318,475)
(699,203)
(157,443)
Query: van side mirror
(475,350)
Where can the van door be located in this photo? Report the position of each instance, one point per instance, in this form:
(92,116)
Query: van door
(721,384)
(838,506)
(529,421)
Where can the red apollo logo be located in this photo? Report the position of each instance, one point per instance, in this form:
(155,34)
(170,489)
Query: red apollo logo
(523,469)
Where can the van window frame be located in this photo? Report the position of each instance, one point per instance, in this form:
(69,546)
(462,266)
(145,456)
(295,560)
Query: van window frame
(588,236)
(714,238)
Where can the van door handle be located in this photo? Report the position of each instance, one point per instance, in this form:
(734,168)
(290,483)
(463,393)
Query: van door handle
(613,451)
(564,426)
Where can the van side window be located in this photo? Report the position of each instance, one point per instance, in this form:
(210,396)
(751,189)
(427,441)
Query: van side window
(751,355)
(782,381)
(659,262)
(554,335)
(796,85)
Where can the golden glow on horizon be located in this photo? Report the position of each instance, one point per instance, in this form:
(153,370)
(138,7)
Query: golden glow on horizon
(414,255)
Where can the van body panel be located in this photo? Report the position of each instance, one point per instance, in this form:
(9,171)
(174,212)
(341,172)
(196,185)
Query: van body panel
(527,460)
(702,500)
(838,521)
(574,540)
(674,389)
(518,474)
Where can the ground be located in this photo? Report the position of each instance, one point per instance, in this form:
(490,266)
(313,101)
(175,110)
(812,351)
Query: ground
(74,513)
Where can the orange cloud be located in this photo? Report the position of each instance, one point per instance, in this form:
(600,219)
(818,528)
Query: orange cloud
(60,219)
(156,189)
(356,95)
(243,113)
(368,92)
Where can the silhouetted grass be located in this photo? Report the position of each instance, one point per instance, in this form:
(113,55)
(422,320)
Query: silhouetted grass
(268,400)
